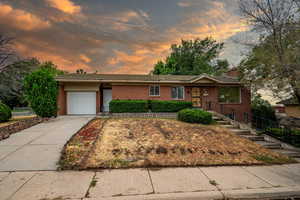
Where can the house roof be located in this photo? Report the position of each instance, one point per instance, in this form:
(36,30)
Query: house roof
(290,101)
(144,78)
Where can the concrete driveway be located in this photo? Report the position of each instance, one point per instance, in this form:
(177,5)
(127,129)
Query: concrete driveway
(39,147)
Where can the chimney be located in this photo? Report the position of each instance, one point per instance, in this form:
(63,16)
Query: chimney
(234,72)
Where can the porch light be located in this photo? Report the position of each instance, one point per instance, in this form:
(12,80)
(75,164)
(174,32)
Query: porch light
(205,93)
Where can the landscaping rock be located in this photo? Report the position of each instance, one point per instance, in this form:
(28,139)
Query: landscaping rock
(6,131)
(161,150)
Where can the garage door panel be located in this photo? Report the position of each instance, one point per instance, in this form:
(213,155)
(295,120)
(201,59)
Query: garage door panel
(80,103)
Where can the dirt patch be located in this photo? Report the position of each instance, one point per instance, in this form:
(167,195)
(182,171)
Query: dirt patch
(126,143)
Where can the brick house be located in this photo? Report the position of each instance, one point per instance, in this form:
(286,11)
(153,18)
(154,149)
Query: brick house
(91,93)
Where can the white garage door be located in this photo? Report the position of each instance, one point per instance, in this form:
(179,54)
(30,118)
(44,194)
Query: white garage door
(81,103)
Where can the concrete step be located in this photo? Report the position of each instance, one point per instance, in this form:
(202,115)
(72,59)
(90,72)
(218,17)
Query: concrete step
(290,153)
(254,137)
(240,131)
(217,118)
(228,126)
(222,122)
(269,145)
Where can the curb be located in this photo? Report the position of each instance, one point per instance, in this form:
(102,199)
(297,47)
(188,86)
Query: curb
(267,194)
(211,195)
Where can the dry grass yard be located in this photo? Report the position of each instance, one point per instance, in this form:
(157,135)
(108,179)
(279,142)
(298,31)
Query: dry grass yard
(123,143)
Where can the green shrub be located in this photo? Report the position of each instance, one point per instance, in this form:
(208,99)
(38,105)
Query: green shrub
(128,106)
(195,116)
(5,112)
(41,92)
(263,114)
(280,131)
(169,106)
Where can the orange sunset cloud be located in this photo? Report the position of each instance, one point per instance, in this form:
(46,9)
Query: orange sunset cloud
(111,37)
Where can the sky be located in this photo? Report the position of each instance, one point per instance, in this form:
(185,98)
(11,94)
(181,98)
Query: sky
(117,36)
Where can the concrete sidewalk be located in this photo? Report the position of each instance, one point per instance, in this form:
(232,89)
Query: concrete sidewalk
(39,147)
(278,181)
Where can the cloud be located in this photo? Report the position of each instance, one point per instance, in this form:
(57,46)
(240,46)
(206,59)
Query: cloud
(66,6)
(123,21)
(84,58)
(215,21)
(21,19)
(114,38)
(184,4)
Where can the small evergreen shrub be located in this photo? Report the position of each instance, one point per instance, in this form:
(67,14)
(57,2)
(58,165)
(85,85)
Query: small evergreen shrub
(128,106)
(169,106)
(195,116)
(5,112)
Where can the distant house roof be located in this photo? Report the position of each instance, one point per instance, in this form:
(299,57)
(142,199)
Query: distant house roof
(144,78)
(290,101)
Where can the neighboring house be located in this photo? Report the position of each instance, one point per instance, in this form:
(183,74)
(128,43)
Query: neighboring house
(292,107)
(91,93)
(280,109)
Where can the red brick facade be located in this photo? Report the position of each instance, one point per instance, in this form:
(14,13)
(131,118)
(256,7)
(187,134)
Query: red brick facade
(61,100)
(209,101)
(242,111)
(142,92)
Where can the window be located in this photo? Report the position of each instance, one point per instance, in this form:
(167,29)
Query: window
(154,90)
(177,92)
(246,117)
(229,95)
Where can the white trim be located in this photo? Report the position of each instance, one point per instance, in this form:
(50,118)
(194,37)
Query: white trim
(207,77)
(154,90)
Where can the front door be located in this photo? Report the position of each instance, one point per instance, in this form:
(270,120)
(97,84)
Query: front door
(196,97)
(107,97)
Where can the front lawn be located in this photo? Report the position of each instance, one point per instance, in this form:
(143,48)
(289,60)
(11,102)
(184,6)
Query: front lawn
(122,143)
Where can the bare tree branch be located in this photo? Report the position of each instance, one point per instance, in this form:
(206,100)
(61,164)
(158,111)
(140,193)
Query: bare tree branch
(6,51)
(275,19)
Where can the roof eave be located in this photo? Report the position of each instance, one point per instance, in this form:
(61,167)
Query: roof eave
(137,81)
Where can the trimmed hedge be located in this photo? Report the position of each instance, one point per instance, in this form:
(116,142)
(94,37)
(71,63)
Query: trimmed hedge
(195,116)
(128,106)
(141,106)
(5,112)
(169,106)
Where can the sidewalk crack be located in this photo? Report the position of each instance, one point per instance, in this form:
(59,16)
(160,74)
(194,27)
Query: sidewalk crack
(218,189)
(151,181)
(21,185)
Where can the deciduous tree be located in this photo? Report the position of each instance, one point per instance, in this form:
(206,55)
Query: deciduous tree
(275,62)
(193,57)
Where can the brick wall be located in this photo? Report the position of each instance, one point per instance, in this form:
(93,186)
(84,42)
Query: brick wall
(292,111)
(142,92)
(62,101)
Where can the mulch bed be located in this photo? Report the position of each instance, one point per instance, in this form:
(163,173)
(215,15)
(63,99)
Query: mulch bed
(6,131)
(78,148)
(123,143)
